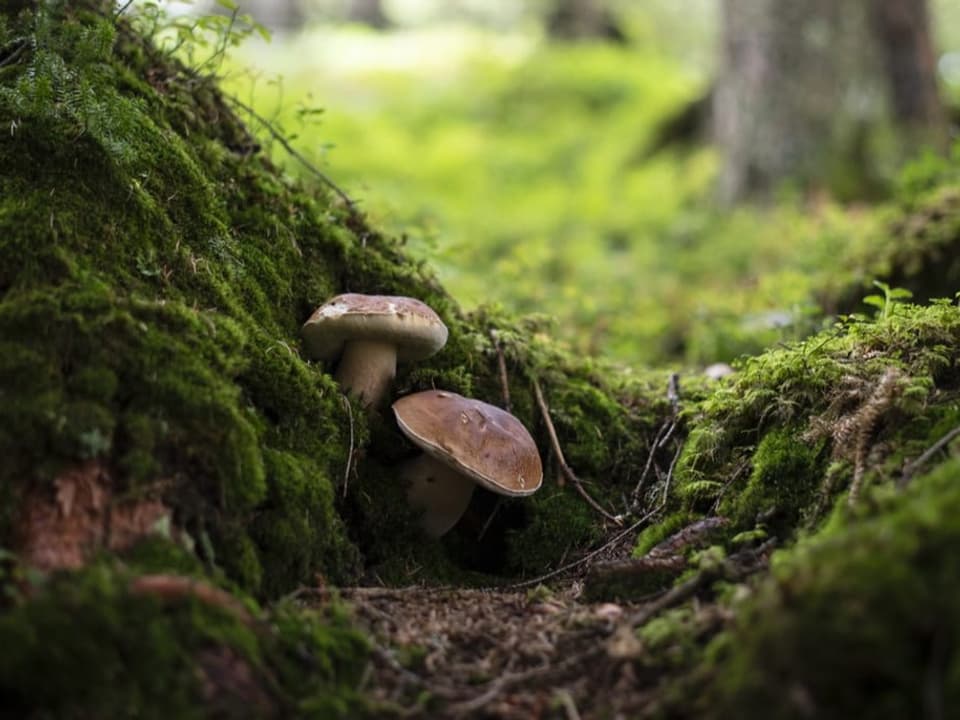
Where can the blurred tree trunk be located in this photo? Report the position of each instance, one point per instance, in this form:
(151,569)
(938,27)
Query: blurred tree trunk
(811,90)
(903,30)
(275,14)
(13,7)
(582,20)
(368,12)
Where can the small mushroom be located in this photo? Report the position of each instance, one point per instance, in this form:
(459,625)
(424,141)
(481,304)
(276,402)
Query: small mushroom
(465,443)
(718,371)
(370,333)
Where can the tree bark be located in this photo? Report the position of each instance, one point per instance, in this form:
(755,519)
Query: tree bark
(583,20)
(368,12)
(902,28)
(808,87)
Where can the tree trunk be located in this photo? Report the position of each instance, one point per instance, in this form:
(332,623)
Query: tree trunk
(276,14)
(368,12)
(807,89)
(582,20)
(902,28)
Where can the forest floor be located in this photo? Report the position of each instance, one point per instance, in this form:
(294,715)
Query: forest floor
(523,651)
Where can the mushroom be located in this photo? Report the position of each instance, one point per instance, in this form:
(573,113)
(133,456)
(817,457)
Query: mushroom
(370,333)
(718,371)
(465,443)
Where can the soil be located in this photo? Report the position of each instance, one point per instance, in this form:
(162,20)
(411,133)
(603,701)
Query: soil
(517,653)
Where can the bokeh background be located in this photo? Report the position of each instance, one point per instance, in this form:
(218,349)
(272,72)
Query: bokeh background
(668,181)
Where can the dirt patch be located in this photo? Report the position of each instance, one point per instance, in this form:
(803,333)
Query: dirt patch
(488,653)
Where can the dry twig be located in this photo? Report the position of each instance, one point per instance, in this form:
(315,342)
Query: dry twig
(502,365)
(562,462)
(914,465)
(346,470)
(589,556)
(294,153)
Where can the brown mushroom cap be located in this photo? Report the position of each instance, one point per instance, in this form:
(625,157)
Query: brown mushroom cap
(410,325)
(480,440)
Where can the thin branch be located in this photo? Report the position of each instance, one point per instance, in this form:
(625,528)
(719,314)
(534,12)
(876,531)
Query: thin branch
(562,462)
(15,54)
(684,591)
(493,513)
(666,484)
(122,10)
(294,153)
(914,465)
(346,470)
(502,365)
(663,434)
(635,499)
(586,558)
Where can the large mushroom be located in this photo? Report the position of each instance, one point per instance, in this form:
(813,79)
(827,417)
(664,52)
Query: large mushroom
(370,333)
(465,443)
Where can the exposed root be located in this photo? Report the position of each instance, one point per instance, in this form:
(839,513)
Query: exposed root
(178,588)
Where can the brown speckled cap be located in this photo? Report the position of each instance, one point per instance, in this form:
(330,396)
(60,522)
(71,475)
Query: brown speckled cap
(480,440)
(410,325)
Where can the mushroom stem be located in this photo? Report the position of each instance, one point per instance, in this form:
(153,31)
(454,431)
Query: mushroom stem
(366,370)
(439,490)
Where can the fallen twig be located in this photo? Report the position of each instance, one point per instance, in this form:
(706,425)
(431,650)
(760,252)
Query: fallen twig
(911,468)
(346,470)
(730,570)
(502,365)
(294,153)
(635,499)
(586,558)
(562,462)
(663,435)
(486,524)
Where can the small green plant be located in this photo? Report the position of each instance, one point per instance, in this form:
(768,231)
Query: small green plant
(886,303)
(200,41)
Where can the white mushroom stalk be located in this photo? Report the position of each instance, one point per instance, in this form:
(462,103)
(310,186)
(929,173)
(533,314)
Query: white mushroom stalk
(370,334)
(367,369)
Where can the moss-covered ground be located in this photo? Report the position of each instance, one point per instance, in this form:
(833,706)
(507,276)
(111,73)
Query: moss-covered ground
(172,463)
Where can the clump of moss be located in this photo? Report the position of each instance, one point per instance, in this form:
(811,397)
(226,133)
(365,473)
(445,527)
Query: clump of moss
(858,621)
(784,479)
(96,644)
(760,449)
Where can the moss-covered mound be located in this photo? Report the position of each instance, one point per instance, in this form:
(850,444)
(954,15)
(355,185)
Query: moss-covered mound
(800,424)
(107,643)
(860,621)
(154,274)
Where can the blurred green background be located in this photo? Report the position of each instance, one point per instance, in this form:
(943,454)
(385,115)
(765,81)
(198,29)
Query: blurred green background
(539,175)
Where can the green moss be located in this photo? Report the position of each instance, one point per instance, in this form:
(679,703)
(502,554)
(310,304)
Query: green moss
(760,448)
(653,535)
(787,472)
(123,654)
(856,622)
